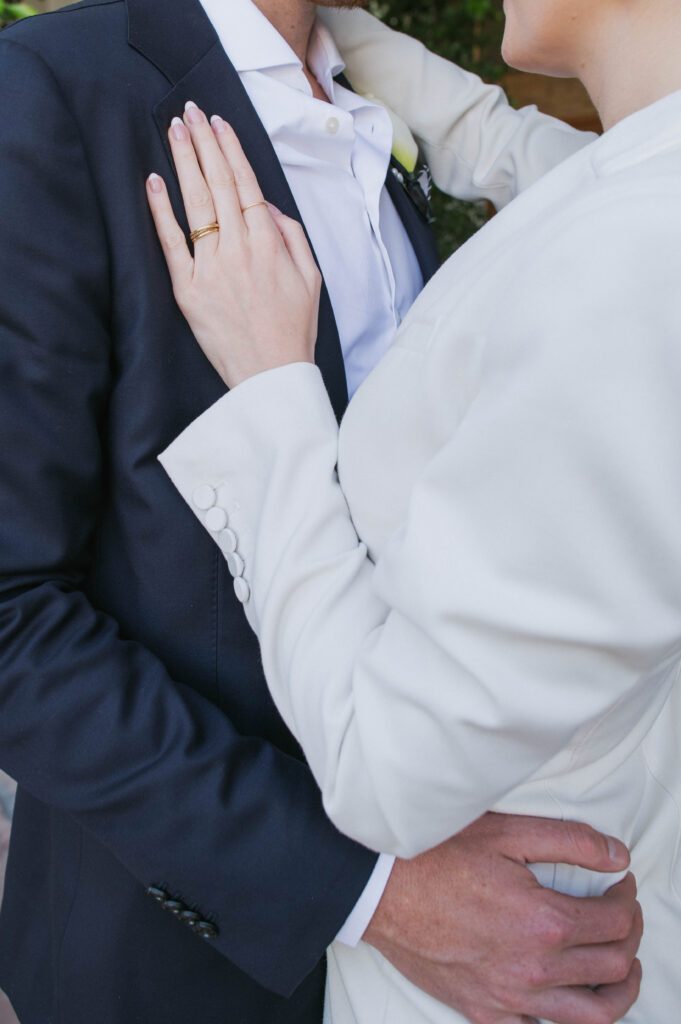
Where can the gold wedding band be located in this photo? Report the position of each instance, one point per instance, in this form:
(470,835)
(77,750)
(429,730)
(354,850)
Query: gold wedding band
(251,205)
(208,229)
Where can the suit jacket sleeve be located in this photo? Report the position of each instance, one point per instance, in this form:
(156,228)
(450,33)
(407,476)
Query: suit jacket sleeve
(476,144)
(89,722)
(535,583)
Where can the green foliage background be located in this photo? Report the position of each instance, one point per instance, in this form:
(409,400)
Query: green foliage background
(13,11)
(468,32)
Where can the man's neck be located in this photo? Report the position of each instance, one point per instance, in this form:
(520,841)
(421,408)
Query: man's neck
(293,19)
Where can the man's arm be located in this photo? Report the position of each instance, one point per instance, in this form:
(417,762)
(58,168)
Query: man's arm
(469,923)
(476,144)
(90,723)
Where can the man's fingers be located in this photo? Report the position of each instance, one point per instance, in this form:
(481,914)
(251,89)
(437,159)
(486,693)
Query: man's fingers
(170,234)
(605,963)
(594,919)
(603,1005)
(544,841)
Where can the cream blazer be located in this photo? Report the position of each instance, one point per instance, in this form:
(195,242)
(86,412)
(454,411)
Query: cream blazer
(482,607)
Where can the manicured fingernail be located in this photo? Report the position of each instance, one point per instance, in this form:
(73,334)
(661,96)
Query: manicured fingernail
(194,115)
(155,183)
(615,849)
(178,129)
(217,123)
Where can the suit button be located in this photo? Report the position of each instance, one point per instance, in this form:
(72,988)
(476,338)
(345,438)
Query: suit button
(216,519)
(175,907)
(160,895)
(204,497)
(227,541)
(241,589)
(333,126)
(206,930)
(235,563)
(189,917)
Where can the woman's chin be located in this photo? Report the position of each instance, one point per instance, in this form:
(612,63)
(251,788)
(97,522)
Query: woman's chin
(522,58)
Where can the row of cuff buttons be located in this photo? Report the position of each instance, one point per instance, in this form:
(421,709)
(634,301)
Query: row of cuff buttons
(216,519)
(181,911)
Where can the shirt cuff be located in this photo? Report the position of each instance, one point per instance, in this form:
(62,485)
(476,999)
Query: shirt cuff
(365,907)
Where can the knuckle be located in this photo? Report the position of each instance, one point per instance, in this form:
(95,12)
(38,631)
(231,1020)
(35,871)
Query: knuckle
(199,200)
(242,176)
(586,840)
(552,928)
(534,973)
(621,965)
(622,922)
(221,179)
(173,240)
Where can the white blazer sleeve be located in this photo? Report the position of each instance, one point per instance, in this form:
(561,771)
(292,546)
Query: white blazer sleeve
(537,579)
(476,144)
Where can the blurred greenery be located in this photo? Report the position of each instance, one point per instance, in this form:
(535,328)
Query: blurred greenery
(468,32)
(13,12)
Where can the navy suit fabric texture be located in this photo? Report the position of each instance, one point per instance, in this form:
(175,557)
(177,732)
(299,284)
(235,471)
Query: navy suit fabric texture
(133,709)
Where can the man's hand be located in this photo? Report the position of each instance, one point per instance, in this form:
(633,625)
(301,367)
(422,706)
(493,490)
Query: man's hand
(469,923)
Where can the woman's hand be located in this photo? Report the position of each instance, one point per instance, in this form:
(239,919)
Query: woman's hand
(250,292)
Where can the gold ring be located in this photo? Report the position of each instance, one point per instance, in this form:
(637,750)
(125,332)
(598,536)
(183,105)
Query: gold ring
(207,230)
(251,205)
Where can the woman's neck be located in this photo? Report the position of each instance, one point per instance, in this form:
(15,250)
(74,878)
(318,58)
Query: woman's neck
(636,59)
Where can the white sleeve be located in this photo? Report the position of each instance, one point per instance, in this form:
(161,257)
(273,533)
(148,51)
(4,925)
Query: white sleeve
(536,582)
(355,926)
(476,144)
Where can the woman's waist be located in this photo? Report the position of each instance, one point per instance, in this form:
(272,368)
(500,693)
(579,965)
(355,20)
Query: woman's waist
(630,788)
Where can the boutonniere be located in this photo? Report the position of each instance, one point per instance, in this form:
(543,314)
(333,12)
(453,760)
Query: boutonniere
(414,176)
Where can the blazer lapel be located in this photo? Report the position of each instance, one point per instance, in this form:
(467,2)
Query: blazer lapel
(420,234)
(178,38)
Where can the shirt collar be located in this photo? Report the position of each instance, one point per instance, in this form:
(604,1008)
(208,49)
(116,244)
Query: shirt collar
(253,44)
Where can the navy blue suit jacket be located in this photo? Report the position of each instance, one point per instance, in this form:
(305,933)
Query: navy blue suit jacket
(170,857)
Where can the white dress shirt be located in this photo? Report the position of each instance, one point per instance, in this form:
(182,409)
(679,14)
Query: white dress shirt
(335,157)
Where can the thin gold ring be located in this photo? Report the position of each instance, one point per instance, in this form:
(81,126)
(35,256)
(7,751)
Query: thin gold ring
(208,229)
(251,205)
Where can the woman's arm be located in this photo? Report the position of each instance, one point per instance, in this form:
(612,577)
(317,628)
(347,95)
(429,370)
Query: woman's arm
(476,144)
(537,579)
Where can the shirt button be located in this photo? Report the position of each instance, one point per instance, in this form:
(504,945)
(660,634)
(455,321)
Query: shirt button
(227,541)
(241,589)
(235,563)
(333,125)
(204,497)
(216,519)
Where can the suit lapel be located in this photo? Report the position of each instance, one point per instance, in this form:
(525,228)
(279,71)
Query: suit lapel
(178,38)
(420,234)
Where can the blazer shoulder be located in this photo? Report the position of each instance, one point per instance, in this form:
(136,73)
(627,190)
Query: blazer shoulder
(52,30)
